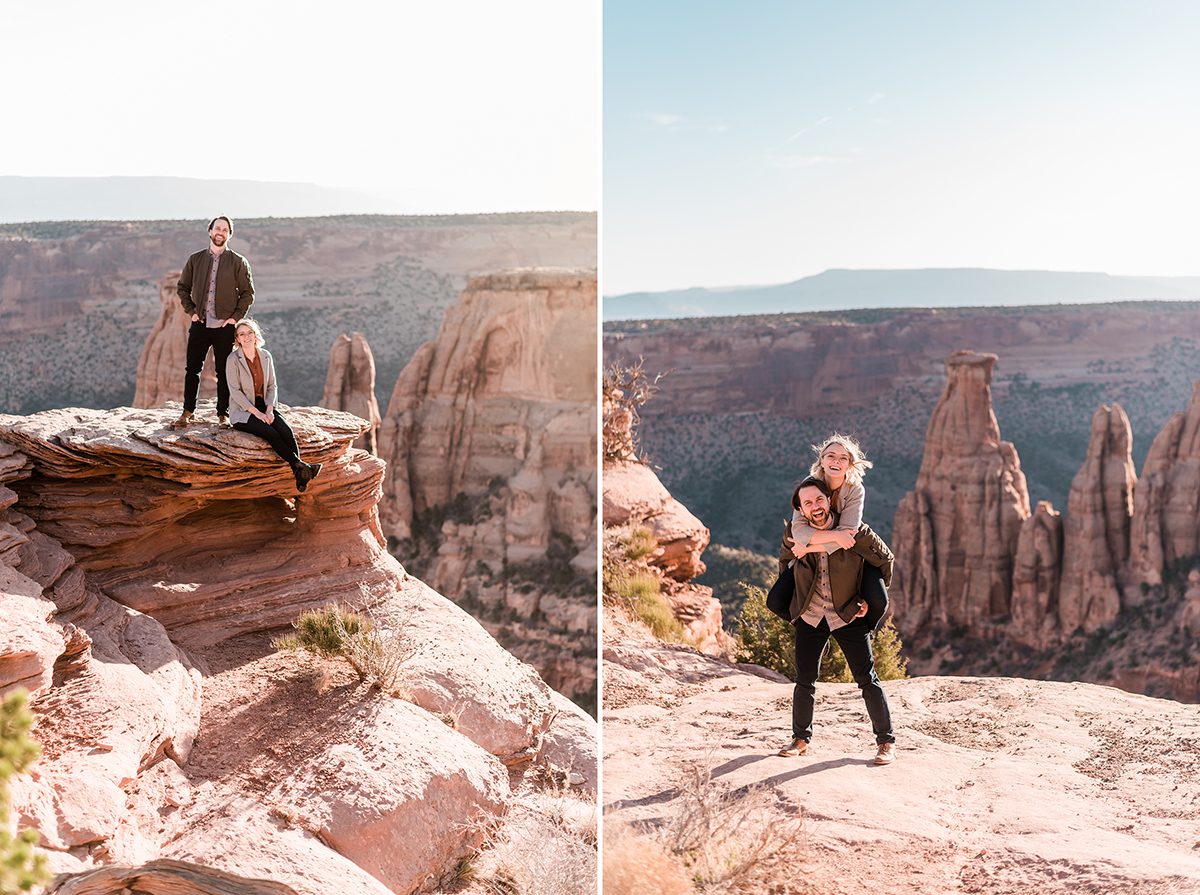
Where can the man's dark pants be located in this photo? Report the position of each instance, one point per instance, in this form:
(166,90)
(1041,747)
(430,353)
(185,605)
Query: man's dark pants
(200,339)
(855,641)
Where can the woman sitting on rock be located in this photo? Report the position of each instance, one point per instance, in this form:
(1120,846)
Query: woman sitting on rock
(841,464)
(250,372)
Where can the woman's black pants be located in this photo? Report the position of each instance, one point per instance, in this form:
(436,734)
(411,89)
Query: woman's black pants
(279,434)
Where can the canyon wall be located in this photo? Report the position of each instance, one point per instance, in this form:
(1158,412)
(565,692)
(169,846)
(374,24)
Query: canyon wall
(490,445)
(78,298)
(802,365)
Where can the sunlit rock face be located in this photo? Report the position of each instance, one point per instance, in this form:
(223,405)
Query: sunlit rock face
(958,529)
(491,433)
(1097,525)
(203,528)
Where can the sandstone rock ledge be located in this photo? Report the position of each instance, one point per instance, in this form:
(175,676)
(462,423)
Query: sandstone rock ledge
(150,569)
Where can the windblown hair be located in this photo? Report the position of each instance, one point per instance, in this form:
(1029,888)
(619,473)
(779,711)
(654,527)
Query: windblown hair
(259,340)
(859,464)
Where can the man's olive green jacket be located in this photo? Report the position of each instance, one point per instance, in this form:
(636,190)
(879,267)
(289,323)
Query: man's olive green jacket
(235,285)
(845,572)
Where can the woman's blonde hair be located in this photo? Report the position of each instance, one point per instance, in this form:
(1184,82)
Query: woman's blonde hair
(253,326)
(859,464)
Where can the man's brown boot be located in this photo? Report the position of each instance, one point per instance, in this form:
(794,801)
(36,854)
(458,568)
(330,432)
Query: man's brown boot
(183,422)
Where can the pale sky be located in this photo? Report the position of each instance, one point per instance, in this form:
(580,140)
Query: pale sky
(463,105)
(756,143)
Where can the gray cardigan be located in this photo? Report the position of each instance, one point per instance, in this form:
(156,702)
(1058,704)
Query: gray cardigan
(241,384)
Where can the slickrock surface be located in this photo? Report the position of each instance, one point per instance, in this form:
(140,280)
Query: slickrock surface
(226,753)
(383,782)
(490,444)
(350,385)
(1166,501)
(1002,786)
(31,642)
(161,367)
(958,530)
(1096,526)
(81,655)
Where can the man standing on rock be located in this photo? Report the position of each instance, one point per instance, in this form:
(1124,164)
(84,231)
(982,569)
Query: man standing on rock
(826,602)
(216,289)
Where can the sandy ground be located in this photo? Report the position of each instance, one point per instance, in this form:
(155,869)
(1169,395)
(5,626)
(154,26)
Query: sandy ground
(1001,785)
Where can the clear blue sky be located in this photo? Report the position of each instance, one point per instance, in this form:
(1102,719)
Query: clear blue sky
(456,105)
(762,142)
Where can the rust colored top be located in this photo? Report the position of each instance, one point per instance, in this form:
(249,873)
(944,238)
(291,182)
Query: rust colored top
(256,370)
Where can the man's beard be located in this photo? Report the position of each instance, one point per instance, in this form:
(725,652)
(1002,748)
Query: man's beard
(820,523)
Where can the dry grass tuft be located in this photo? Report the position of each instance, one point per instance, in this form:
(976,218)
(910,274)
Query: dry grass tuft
(546,845)
(728,842)
(632,860)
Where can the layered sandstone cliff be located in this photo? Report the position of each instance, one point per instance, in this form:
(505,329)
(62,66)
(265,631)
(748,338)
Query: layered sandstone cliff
(350,385)
(958,529)
(142,572)
(161,367)
(490,445)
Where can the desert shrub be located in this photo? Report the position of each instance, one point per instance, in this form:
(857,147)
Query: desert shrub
(624,391)
(656,613)
(728,568)
(728,841)
(373,646)
(890,662)
(544,845)
(765,639)
(629,583)
(21,868)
